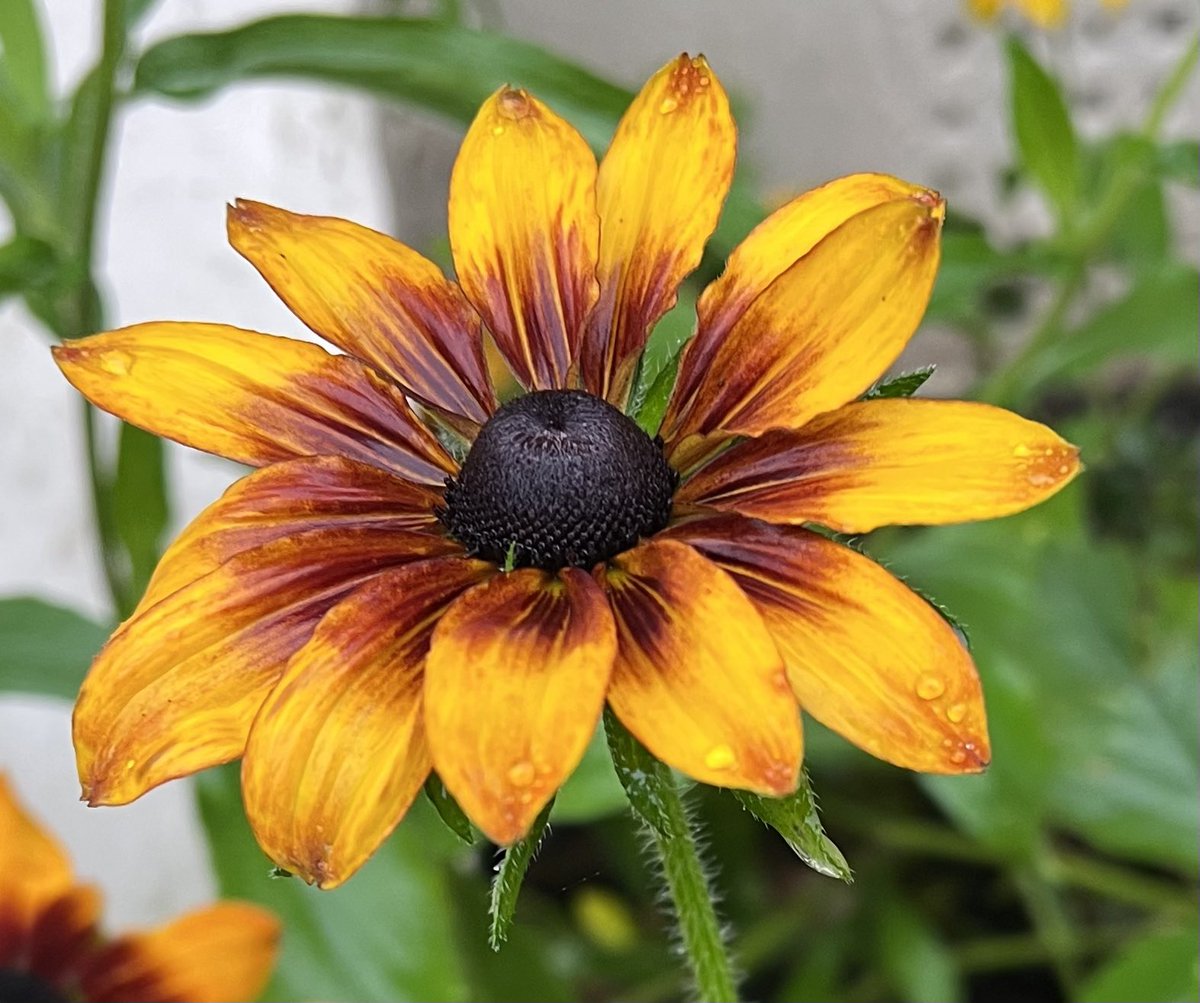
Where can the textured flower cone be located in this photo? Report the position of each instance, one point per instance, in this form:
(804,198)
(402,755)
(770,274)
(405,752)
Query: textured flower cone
(51,948)
(363,608)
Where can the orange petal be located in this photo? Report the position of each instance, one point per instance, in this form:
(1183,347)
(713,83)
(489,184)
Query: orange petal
(881,462)
(177,686)
(338,751)
(514,686)
(823,331)
(373,297)
(524,233)
(772,247)
(34,871)
(284,499)
(660,191)
(698,679)
(865,655)
(220,954)
(251,397)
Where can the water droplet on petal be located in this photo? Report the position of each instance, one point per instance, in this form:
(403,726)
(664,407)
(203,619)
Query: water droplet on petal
(930,687)
(526,797)
(958,756)
(521,774)
(720,757)
(130,764)
(667,106)
(116,363)
(1021,451)
(497,130)
(956,712)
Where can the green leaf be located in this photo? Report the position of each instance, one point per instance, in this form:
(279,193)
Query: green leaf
(25,263)
(1159,966)
(443,67)
(448,809)
(141,509)
(45,649)
(510,875)
(1179,161)
(385,935)
(920,967)
(1046,140)
(659,364)
(23,58)
(1156,322)
(795,818)
(902,385)
(641,775)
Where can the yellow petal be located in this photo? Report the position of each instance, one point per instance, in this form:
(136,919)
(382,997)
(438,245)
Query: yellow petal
(865,655)
(660,191)
(985,10)
(251,397)
(698,679)
(881,462)
(338,751)
(514,686)
(177,686)
(34,870)
(220,954)
(524,233)
(287,498)
(772,247)
(825,329)
(373,297)
(1044,13)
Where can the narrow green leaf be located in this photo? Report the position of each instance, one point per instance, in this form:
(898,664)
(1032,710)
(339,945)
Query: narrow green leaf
(386,934)
(1179,161)
(25,263)
(1045,137)
(919,965)
(448,809)
(795,818)
(141,508)
(510,875)
(641,775)
(45,649)
(1159,966)
(902,385)
(23,58)
(135,10)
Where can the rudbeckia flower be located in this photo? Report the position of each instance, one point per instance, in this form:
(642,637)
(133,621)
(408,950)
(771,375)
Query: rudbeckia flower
(51,949)
(365,608)
(1042,13)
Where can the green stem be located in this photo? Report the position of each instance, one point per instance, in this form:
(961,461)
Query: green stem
(655,798)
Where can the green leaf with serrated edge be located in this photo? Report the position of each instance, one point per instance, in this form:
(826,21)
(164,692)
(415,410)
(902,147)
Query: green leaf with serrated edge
(510,875)
(448,809)
(795,818)
(1042,125)
(45,649)
(649,410)
(640,774)
(903,385)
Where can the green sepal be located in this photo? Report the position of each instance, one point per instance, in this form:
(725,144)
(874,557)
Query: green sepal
(795,818)
(510,875)
(448,810)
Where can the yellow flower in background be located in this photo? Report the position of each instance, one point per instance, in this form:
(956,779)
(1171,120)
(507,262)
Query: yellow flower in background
(51,949)
(1043,13)
(366,608)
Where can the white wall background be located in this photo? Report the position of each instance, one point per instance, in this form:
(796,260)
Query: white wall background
(906,86)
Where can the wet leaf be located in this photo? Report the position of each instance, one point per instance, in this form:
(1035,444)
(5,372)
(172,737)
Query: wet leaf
(901,385)
(448,809)
(641,776)
(510,875)
(795,818)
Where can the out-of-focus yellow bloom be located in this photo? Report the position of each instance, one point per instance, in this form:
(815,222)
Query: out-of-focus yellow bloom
(1043,13)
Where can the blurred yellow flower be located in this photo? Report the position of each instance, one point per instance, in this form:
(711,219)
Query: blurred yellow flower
(1043,13)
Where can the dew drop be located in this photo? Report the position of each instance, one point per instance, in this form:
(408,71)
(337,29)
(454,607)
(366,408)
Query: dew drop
(956,712)
(497,130)
(720,757)
(667,106)
(521,774)
(130,764)
(1021,451)
(958,756)
(930,687)
(526,797)
(116,363)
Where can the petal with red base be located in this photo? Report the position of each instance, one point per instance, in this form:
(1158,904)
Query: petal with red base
(338,752)
(514,686)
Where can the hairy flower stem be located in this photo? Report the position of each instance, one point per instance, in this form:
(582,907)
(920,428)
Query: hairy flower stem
(655,799)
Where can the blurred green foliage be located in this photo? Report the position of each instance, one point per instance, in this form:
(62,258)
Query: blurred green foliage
(1066,872)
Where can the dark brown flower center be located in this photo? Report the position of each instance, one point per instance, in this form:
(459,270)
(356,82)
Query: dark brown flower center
(558,478)
(22,987)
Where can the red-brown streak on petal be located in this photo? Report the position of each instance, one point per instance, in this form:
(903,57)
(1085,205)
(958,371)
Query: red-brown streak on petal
(176,687)
(822,331)
(865,655)
(283,499)
(251,397)
(63,936)
(659,192)
(338,752)
(373,297)
(524,233)
(515,683)
(697,676)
